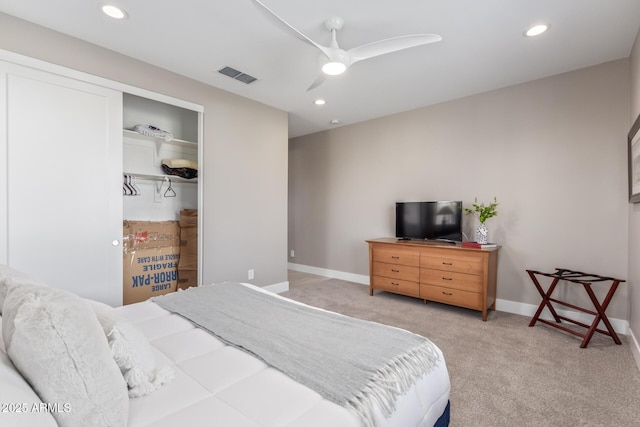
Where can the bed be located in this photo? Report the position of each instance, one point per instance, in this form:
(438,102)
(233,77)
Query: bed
(213,382)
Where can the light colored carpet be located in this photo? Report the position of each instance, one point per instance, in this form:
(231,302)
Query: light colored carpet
(503,373)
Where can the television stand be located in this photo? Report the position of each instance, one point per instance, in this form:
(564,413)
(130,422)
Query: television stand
(435,271)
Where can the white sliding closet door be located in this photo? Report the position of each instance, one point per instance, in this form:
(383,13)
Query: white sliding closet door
(63,145)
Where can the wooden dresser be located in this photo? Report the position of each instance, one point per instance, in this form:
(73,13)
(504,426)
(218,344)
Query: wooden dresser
(444,273)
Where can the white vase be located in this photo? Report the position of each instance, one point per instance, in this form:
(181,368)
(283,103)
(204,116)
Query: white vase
(482,234)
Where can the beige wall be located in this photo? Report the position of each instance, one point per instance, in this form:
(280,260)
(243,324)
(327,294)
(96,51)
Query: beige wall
(245,153)
(553,152)
(634,210)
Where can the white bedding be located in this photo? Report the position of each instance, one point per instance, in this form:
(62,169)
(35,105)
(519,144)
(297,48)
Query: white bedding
(217,385)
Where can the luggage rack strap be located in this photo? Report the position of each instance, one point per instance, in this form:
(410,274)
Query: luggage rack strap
(577,276)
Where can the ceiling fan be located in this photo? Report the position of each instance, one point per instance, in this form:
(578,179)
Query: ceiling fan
(339,60)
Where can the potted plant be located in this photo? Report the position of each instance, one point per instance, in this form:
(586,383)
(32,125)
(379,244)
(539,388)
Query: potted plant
(483,212)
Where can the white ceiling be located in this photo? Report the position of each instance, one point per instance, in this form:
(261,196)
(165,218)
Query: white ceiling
(483,47)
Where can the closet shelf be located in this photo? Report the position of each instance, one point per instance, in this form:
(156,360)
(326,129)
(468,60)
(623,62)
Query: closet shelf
(178,142)
(161,177)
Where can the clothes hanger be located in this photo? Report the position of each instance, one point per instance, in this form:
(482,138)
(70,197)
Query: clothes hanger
(170,192)
(126,189)
(134,187)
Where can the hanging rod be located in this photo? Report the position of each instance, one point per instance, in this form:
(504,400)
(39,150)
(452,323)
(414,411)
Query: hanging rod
(150,177)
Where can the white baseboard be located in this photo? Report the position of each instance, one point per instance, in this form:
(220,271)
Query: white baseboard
(278,287)
(334,274)
(619,325)
(635,347)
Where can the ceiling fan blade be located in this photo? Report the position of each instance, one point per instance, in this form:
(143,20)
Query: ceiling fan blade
(317,82)
(289,28)
(393,44)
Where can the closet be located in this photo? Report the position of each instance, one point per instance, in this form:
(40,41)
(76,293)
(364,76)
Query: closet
(160,191)
(62,166)
(159,196)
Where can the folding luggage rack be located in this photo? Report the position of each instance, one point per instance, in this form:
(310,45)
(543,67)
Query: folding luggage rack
(586,280)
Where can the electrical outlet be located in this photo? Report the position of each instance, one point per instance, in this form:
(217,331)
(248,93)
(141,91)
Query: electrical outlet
(292,254)
(250,274)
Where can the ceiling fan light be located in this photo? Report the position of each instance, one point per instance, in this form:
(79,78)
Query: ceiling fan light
(334,68)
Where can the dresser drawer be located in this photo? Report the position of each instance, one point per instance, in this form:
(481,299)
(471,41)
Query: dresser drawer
(395,285)
(450,279)
(452,262)
(451,296)
(396,271)
(396,256)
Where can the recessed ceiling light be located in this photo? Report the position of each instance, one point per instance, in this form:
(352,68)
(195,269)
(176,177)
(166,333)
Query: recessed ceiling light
(320,101)
(334,122)
(536,30)
(114,11)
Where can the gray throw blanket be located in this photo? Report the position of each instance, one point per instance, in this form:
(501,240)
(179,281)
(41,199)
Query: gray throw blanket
(354,363)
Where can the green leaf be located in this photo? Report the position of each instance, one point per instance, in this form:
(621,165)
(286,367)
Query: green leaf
(484,212)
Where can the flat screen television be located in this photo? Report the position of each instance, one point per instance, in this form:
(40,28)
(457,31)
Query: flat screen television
(439,220)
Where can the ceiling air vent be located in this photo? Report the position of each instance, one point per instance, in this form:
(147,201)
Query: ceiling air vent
(238,75)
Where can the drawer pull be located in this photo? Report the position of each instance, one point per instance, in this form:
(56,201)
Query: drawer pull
(395,271)
(447,263)
(395,257)
(395,284)
(447,278)
(447,293)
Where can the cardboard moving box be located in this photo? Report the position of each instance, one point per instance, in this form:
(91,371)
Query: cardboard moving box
(151,256)
(189,218)
(188,239)
(187,277)
(188,248)
(150,234)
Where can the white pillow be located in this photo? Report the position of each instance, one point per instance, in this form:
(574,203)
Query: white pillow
(22,407)
(9,275)
(132,352)
(58,345)
(16,294)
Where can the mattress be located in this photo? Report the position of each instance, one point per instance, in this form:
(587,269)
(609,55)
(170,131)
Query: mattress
(216,384)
